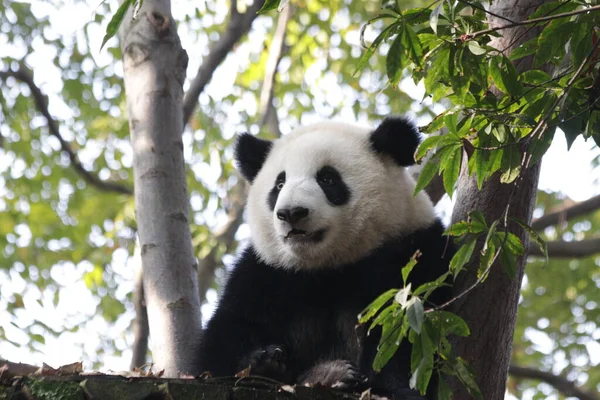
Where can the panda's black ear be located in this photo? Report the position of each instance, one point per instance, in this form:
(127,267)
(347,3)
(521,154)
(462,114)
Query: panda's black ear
(250,154)
(398,138)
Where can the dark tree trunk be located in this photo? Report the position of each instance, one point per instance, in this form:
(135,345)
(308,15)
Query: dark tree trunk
(490,310)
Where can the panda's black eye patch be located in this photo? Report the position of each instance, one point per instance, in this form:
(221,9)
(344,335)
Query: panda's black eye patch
(332,184)
(274,193)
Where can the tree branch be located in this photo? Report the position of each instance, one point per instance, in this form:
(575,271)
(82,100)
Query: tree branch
(41,102)
(562,249)
(238,26)
(529,22)
(566,213)
(268,117)
(141,329)
(563,385)
(226,236)
(266,109)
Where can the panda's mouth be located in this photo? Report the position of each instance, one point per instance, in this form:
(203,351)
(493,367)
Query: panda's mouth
(299,235)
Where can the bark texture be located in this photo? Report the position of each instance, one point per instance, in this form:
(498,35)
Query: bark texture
(155,64)
(490,310)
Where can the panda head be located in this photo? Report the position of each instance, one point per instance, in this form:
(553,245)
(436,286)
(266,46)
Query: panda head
(328,194)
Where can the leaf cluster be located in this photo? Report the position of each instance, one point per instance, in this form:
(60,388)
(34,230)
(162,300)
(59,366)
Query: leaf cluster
(400,314)
(502,119)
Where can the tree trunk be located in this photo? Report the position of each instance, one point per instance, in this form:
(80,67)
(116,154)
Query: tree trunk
(491,309)
(155,64)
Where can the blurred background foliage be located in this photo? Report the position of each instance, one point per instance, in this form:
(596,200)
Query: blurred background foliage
(65,280)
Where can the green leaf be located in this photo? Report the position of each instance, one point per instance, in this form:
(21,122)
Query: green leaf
(524,50)
(374,307)
(429,287)
(510,77)
(451,122)
(443,391)
(428,171)
(536,238)
(38,338)
(509,261)
(411,41)
(422,374)
(477,217)
(476,166)
(434,17)
(415,314)
(504,75)
(457,229)
(452,170)
(409,266)
(115,21)
(582,42)
(552,41)
(500,133)
(426,145)
(511,164)
(495,71)
(435,125)
(391,337)
(466,376)
(371,50)
(535,77)
(486,260)
(449,323)
(475,48)
(382,317)
(494,163)
(489,235)
(512,243)
(549,8)
(462,256)
(394,60)
(269,5)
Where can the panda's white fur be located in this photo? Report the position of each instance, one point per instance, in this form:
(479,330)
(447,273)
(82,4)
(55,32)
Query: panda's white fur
(381,204)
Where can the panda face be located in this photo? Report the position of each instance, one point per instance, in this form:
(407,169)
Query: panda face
(323,197)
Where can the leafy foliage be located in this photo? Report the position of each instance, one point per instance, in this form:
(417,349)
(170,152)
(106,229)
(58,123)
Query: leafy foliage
(501,120)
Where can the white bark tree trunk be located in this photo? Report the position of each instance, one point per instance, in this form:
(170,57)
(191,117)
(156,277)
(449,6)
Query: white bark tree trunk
(491,309)
(155,65)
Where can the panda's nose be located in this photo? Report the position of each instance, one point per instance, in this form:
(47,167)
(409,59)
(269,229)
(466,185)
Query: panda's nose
(292,216)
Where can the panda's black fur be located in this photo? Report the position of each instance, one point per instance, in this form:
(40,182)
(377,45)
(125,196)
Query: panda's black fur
(299,326)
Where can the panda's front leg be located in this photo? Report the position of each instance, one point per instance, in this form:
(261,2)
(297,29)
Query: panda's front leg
(269,361)
(338,374)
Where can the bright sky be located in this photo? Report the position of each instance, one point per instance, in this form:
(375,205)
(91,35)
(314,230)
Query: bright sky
(567,172)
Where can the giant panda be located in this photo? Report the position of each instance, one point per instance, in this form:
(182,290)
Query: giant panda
(333,220)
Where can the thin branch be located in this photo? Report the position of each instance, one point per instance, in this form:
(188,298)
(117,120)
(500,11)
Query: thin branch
(529,22)
(268,116)
(266,108)
(486,11)
(567,213)
(225,236)
(238,26)
(141,329)
(563,249)
(41,102)
(563,385)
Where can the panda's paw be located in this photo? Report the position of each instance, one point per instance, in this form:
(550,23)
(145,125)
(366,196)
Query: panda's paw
(338,374)
(269,361)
